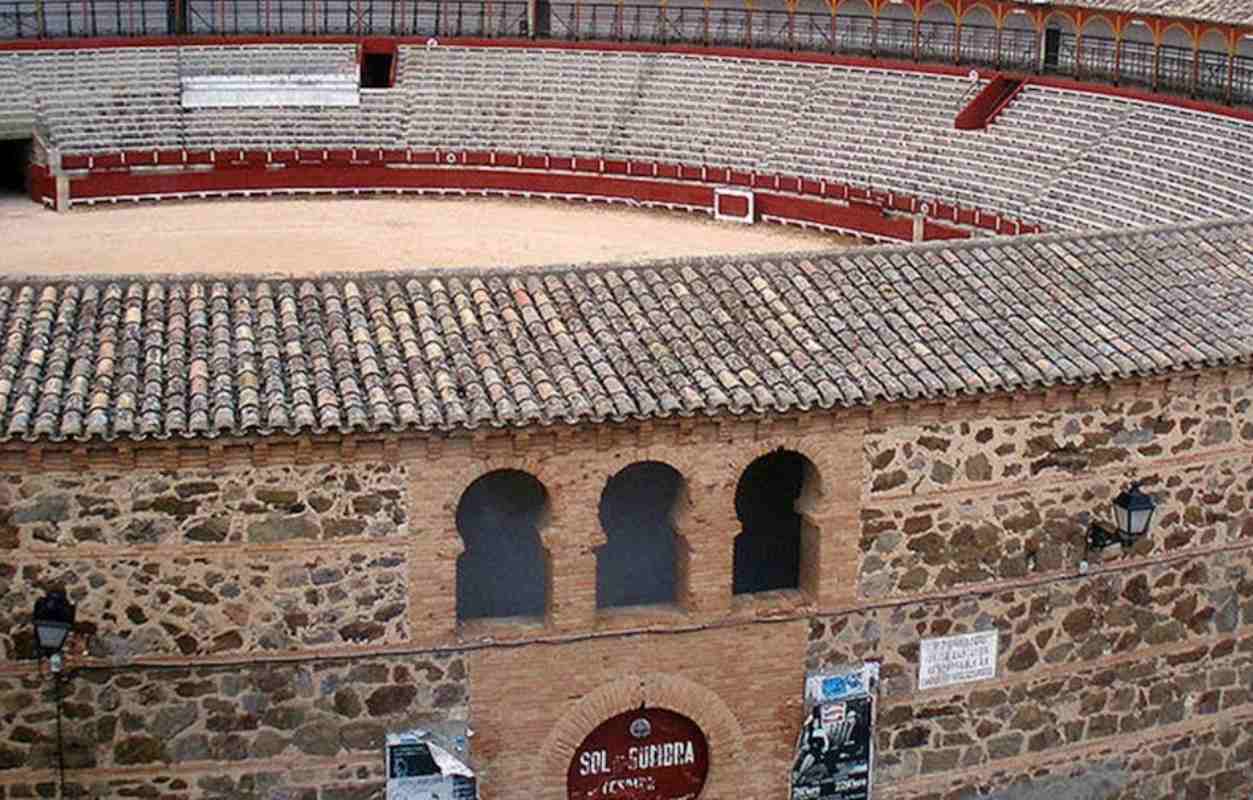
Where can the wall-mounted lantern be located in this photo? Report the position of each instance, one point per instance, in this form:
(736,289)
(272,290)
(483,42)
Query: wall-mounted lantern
(53,621)
(1133,514)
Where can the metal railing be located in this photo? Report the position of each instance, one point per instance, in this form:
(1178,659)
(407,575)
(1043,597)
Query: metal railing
(1206,74)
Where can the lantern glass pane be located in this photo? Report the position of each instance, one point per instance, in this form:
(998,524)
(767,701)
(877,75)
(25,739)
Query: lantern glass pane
(51,634)
(1140,520)
(1121,518)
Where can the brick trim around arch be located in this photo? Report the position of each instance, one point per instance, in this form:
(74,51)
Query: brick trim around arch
(660,690)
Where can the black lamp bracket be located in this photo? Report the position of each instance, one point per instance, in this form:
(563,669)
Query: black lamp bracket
(1101,537)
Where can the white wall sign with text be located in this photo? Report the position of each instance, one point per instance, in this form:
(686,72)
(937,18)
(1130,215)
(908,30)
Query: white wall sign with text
(957,659)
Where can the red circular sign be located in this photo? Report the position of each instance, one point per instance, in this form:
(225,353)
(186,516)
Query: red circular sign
(650,754)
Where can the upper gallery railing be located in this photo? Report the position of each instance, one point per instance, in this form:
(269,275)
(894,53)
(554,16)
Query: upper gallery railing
(1202,73)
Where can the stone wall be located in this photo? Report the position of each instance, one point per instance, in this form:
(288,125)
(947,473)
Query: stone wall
(251,630)
(258,506)
(1209,763)
(183,580)
(202,562)
(979,501)
(975,726)
(1055,623)
(162,717)
(978,522)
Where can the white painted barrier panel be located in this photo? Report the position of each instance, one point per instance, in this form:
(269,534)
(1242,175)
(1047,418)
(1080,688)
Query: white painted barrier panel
(259,91)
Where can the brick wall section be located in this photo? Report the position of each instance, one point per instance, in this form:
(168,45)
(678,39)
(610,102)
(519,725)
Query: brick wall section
(575,477)
(739,684)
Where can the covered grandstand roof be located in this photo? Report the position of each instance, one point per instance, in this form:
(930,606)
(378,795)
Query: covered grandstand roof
(104,358)
(1236,12)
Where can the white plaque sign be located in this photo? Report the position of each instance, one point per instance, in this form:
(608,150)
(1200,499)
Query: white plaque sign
(957,659)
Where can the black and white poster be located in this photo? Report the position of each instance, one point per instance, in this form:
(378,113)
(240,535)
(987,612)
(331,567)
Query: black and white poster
(423,765)
(835,749)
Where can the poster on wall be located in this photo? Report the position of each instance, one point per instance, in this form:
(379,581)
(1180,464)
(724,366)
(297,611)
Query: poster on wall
(835,749)
(429,765)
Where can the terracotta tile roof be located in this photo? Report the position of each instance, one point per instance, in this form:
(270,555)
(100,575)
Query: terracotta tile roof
(197,356)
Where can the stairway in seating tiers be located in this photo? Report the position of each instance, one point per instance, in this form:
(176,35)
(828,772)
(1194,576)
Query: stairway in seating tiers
(630,104)
(803,100)
(1088,139)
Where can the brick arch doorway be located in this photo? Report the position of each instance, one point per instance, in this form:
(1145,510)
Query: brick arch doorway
(655,690)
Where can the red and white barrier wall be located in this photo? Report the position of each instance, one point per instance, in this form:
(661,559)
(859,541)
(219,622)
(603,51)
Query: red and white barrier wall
(777,198)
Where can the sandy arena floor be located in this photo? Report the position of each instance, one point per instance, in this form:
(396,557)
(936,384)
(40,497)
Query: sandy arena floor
(304,236)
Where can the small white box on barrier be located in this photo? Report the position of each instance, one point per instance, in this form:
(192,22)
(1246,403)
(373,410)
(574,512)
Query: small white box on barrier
(734,205)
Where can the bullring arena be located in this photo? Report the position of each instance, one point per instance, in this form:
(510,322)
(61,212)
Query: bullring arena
(626,401)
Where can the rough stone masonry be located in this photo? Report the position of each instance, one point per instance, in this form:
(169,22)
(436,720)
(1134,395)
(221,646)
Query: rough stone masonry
(254,629)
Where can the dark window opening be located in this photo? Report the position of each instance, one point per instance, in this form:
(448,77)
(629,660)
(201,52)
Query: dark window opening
(1052,47)
(376,71)
(14,165)
(636,566)
(503,571)
(543,19)
(768,549)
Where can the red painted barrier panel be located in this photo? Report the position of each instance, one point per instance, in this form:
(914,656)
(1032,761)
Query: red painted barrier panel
(855,216)
(741,178)
(40,183)
(763,182)
(75,162)
(934,230)
(422,157)
(237,171)
(984,107)
(790,184)
(123,184)
(732,205)
(138,157)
